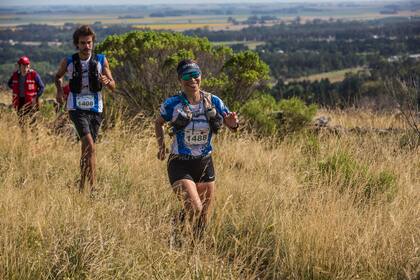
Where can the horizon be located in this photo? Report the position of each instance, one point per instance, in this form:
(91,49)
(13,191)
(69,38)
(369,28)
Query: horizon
(20,3)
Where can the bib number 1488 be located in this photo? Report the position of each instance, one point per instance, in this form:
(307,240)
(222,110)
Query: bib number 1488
(196,137)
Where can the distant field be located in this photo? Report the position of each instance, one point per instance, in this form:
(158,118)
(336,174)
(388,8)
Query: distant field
(216,22)
(250,44)
(185,26)
(333,76)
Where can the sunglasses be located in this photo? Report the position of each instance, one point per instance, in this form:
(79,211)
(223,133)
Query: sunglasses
(189,76)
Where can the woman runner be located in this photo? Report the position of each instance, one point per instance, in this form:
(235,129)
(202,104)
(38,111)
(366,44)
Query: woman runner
(195,116)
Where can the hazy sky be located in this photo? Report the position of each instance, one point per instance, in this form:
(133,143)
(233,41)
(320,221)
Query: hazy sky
(148,2)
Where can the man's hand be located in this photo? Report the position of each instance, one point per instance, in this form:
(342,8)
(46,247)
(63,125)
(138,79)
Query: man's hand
(104,79)
(60,96)
(37,103)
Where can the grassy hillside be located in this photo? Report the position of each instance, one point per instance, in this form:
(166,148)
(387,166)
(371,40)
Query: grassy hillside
(310,207)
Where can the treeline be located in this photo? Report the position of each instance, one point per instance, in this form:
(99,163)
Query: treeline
(49,33)
(317,29)
(366,88)
(46,45)
(295,50)
(290,51)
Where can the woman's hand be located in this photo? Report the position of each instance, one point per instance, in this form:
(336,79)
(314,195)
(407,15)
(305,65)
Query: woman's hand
(231,120)
(161,153)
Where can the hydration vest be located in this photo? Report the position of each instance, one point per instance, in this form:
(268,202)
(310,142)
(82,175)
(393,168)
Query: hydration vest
(75,82)
(31,88)
(185,116)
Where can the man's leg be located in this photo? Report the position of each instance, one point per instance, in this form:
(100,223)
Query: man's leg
(88,162)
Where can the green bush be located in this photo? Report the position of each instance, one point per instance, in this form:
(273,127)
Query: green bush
(295,115)
(144,65)
(267,116)
(258,113)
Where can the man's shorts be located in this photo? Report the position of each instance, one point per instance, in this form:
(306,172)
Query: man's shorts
(86,122)
(199,170)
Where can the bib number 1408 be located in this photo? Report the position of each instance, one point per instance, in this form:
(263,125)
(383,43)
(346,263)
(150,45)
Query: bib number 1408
(85,102)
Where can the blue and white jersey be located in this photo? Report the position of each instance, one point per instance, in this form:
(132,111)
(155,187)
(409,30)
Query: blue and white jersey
(85,100)
(195,138)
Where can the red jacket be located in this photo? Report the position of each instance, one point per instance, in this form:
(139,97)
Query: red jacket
(31,88)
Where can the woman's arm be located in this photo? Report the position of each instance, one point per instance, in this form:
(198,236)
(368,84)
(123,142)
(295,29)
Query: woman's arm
(159,122)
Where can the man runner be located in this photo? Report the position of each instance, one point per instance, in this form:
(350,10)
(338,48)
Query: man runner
(87,73)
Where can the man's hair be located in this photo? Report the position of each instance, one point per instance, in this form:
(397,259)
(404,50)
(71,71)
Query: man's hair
(84,30)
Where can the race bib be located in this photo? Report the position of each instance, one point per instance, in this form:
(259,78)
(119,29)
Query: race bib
(196,136)
(85,102)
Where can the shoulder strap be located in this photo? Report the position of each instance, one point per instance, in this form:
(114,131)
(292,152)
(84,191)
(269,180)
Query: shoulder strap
(77,66)
(208,104)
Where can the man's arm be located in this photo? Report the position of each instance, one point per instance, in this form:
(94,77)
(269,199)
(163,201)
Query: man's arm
(40,84)
(62,68)
(10,82)
(106,77)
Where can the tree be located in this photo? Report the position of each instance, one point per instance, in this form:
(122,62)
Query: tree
(144,64)
(245,72)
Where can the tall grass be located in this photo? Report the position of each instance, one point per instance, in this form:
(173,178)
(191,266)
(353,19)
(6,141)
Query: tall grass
(294,209)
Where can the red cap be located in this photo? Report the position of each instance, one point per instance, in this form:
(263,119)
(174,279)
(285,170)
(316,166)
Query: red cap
(24,60)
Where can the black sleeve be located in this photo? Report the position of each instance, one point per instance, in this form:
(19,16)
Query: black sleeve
(10,83)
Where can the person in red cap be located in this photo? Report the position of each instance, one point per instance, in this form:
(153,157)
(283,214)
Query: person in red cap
(27,87)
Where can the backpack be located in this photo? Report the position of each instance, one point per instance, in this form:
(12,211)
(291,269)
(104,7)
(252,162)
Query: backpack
(75,82)
(185,116)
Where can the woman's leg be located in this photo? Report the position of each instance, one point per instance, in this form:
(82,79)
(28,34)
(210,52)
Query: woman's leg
(186,190)
(206,193)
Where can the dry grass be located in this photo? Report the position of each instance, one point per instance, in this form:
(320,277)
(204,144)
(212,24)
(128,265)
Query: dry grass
(282,211)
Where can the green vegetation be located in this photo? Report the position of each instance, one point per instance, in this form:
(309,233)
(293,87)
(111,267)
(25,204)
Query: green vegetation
(144,64)
(270,117)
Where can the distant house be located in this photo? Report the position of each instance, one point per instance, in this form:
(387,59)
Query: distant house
(395,58)
(415,56)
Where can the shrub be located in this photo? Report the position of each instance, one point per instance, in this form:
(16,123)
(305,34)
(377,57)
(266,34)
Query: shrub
(144,63)
(267,116)
(258,113)
(295,115)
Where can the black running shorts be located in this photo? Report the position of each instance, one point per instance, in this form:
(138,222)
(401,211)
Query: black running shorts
(199,170)
(86,122)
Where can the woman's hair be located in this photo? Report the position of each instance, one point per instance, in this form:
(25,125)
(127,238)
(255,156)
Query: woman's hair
(182,63)
(84,30)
